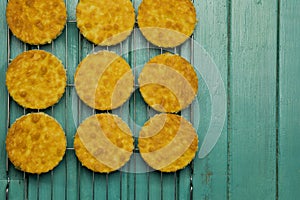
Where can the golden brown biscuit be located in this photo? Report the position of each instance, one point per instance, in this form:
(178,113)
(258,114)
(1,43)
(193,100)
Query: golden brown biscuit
(104,80)
(168,142)
(168,83)
(36,21)
(35,143)
(167,23)
(105,22)
(36,79)
(103,143)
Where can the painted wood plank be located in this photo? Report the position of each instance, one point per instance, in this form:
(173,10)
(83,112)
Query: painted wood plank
(58,175)
(44,186)
(3,91)
(100,186)
(72,171)
(252,121)
(168,186)
(71,9)
(33,186)
(58,182)
(72,61)
(210,173)
(141,187)
(289,103)
(155,188)
(3,184)
(114,182)
(16,191)
(85,181)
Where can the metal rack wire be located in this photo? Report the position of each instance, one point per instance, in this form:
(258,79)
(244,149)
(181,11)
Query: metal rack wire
(70,87)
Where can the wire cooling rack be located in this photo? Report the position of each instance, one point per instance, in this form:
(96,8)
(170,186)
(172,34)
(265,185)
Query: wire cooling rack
(70,180)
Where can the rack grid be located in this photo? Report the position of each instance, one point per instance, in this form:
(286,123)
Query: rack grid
(70,180)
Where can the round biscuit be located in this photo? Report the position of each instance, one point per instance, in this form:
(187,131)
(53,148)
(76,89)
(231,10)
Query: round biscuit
(168,83)
(167,23)
(168,142)
(105,22)
(104,80)
(36,79)
(36,21)
(35,143)
(103,143)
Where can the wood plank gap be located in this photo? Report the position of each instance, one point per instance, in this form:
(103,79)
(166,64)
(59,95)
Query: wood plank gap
(229,63)
(277,98)
(66,177)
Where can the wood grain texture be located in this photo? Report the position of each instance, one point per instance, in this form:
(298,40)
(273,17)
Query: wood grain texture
(289,101)
(252,122)
(59,112)
(255,45)
(72,60)
(3,91)
(16,190)
(210,173)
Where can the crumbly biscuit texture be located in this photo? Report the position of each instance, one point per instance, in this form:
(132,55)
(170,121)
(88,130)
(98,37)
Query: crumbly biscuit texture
(35,143)
(104,80)
(168,83)
(167,23)
(105,22)
(103,143)
(168,142)
(36,79)
(36,21)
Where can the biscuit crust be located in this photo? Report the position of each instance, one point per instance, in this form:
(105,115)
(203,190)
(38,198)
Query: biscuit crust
(105,22)
(168,83)
(36,79)
(104,80)
(103,143)
(167,23)
(168,142)
(36,22)
(35,143)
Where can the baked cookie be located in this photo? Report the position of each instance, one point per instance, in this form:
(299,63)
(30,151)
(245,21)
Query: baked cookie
(167,23)
(104,80)
(36,79)
(168,142)
(35,143)
(168,83)
(36,21)
(105,22)
(103,143)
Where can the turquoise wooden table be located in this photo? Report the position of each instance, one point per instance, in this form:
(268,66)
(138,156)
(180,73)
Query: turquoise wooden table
(254,49)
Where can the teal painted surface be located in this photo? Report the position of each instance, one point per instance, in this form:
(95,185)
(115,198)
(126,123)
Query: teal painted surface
(289,99)
(210,173)
(256,156)
(252,98)
(3,91)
